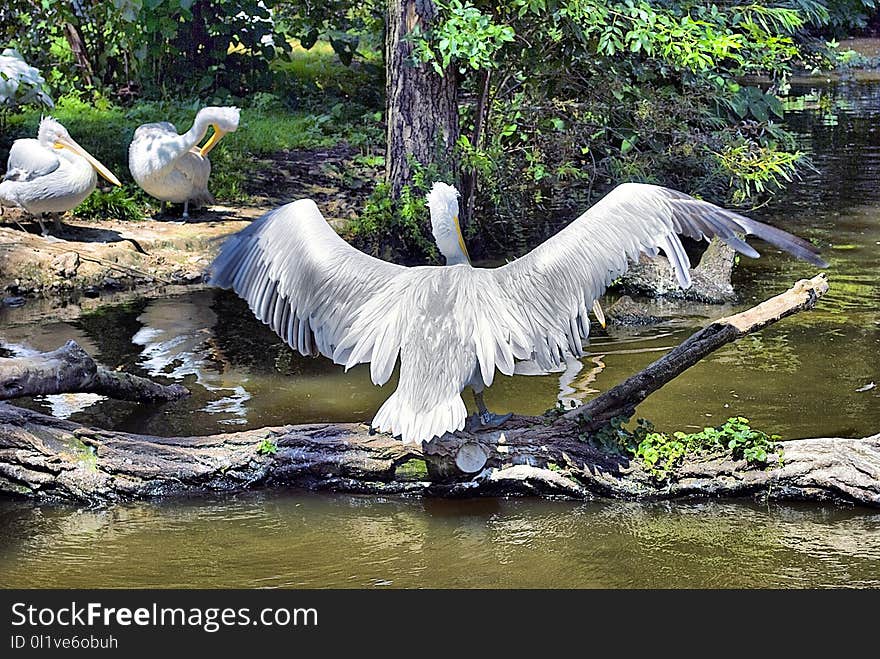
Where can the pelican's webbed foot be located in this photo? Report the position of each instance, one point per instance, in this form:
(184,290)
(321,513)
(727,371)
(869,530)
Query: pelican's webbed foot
(484,419)
(492,420)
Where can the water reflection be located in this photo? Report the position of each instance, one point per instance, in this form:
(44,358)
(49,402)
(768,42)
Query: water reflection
(176,343)
(339,541)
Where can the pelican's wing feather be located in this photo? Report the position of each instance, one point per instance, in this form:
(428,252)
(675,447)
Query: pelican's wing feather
(196,170)
(300,278)
(552,287)
(28,160)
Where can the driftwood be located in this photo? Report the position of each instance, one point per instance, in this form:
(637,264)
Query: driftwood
(70,369)
(622,399)
(48,458)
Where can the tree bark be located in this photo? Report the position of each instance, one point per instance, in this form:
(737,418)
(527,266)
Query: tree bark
(47,458)
(80,53)
(422,106)
(69,369)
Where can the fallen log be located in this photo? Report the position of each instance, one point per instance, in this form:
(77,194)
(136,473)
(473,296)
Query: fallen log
(70,369)
(51,459)
(47,458)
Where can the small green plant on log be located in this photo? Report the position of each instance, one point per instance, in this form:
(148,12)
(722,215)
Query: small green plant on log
(661,453)
(267,447)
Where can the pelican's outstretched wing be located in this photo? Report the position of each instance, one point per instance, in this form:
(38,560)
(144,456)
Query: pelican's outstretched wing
(299,277)
(552,287)
(28,160)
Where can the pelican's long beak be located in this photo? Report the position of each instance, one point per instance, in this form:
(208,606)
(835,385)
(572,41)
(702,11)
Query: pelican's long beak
(212,141)
(600,315)
(94,162)
(461,238)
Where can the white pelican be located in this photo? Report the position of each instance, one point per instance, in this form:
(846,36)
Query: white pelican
(50,174)
(453,325)
(171,167)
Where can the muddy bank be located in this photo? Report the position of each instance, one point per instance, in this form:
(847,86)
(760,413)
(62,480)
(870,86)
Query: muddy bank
(94,258)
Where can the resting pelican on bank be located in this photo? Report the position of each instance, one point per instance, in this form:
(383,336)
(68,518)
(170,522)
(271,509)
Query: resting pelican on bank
(171,167)
(50,174)
(453,325)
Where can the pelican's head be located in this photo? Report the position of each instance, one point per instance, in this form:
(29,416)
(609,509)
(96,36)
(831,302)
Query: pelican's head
(222,120)
(53,135)
(443,204)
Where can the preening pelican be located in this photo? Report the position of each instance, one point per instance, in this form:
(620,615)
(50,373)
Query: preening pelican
(50,174)
(452,326)
(172,167)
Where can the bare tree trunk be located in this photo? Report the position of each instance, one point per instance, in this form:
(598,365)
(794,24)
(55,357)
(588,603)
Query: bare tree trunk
(422,106)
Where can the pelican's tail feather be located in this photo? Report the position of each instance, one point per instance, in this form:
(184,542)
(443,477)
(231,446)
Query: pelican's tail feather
(398,417)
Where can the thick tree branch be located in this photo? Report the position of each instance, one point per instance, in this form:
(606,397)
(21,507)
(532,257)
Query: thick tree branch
(622,399)
(69,369)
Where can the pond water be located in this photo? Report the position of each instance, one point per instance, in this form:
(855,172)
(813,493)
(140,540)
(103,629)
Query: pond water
(798,378)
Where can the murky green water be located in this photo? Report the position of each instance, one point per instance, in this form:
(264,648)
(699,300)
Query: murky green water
(798,378)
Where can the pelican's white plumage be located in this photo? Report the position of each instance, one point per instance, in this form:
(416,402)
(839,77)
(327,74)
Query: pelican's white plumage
(453,326)
(171,167)
(50,174)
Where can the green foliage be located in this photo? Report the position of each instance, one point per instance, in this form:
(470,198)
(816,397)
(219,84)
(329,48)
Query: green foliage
(583,94)
(342,24)
(401,225)
(466,36)
(268,447)
(124,203)
(158,46)
(839,16)
(660,454)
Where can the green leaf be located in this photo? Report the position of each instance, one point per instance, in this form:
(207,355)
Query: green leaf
(309,39)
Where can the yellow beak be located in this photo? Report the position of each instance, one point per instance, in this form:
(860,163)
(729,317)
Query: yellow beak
(212,141)
(94,162)
(600,315)
(461,238)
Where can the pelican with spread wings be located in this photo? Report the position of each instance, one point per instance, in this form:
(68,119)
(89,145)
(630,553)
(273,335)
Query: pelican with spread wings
(173,168)
(452,326)
(51,174)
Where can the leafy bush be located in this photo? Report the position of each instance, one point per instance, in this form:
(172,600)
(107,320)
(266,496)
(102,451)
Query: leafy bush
(124,203)
(153,46)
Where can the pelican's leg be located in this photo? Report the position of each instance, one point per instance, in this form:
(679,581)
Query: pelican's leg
(186,210)
(43,229)
(488,419)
